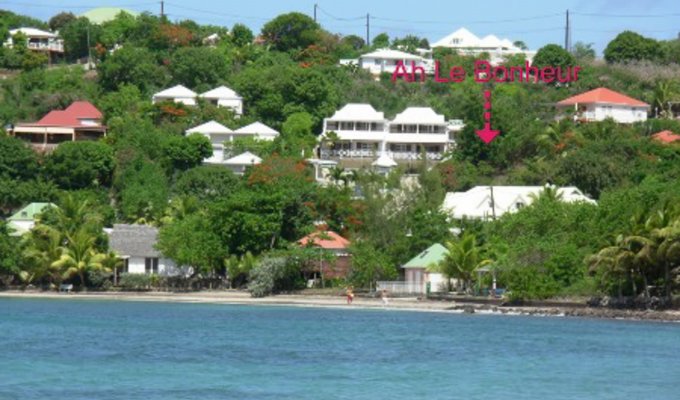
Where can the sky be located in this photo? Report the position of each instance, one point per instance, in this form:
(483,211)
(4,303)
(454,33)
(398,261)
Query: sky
(537,23)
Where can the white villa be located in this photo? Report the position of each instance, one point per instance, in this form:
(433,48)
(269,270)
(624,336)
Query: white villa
(224,97)
(38,40)
(466,43)
(242,161)
(602,103)
(221,96)
(486,202)
(385,60)
(219,134)
(177,94)
(258,130)
(135,244)
(362,133)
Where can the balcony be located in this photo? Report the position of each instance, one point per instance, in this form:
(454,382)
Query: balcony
(42,46)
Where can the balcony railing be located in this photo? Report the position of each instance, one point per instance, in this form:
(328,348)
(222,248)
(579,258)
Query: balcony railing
(405,155)
(59,47)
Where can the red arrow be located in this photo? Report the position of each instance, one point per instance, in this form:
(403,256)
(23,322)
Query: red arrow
(487,134)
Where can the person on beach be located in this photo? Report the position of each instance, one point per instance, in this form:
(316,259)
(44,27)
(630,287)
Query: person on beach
(383,297)
(350,295)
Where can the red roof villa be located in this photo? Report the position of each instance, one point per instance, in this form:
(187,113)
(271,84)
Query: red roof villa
(79,121)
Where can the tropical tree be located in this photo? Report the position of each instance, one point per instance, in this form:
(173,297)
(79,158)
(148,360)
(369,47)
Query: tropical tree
(630,46)
(42,247)
(238,268)
(463,259)
(79,257)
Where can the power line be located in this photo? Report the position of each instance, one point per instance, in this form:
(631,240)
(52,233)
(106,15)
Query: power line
(449,22)
(339,18)
(62,7)
(597,15)
(216,13)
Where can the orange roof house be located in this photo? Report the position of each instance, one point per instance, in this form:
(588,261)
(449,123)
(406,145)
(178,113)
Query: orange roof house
(325,239)
(79,121)
(328,242)
(666,137)
(602,103)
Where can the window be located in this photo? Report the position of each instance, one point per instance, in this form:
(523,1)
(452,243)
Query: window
(126,265)
(400,148)
(362,126)
(519,205)
(331,126)
(346,126)
(151,265)
(455,41)
(432,149)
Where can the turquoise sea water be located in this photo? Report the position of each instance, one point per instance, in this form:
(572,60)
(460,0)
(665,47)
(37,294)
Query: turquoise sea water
(75,349)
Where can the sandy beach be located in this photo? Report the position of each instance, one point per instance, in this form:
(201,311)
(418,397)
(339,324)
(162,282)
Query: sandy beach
(328,301)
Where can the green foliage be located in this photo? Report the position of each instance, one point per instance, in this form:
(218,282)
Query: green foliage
(630,46)
(135,281)
(273,275)
(369,265)
(58,21)
(186,152)
(382,40)
(292,31)
(583,51)
(553,55)
(206,182)
(463,259)
(9,253)
(241,35)
(131,65)
(198,67)
(142,190)
(80,36)
(192,241)
(77,165)
(17,160)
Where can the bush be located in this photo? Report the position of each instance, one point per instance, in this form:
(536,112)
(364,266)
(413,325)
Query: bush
(274,275)
(135,281)
(99,279)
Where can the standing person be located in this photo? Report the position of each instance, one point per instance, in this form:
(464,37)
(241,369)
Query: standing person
(383,297)
(350,295)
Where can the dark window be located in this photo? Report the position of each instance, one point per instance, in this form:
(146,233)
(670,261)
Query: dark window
(151,265)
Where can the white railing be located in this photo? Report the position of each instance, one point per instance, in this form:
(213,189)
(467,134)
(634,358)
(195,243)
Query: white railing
(401,287)
(46,46)
(414,155)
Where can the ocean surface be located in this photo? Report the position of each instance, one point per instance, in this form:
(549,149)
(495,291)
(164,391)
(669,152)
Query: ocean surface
(83,349)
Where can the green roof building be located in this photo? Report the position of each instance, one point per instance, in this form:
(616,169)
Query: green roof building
(104,14)
(431,256)
(420,277)
(23,220)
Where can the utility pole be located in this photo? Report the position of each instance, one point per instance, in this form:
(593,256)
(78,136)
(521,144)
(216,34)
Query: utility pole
(89,50)
(315,6)
(162,9)
(567,34)
(493,205)
(368,30)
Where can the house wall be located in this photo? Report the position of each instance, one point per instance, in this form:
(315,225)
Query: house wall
(234,104)
(166,267)
(419,278)
(622,114)
(189,101)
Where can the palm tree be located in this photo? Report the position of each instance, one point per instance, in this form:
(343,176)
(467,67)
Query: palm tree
(180,208)
(612,263)
(111,262)
(550,193)
(338,174)
(79,256)
(73,215)
(668,251)
(464,258)
(664,93)
(42,248)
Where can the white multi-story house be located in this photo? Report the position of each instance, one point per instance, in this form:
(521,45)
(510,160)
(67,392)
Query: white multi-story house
(386,60)
(38,40)
(220,134)
(359,132)
(467,43)
(602,103)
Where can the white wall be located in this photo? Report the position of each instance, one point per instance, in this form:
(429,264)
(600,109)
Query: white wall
(234,104)
(622,114)
(189,101)
(166,267)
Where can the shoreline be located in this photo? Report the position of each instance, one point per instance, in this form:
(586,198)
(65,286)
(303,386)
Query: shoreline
(339,302)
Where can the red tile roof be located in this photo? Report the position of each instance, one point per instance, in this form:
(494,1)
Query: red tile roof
(602,96)
(666,136)
(84,109)
(325,240)
(71,116)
